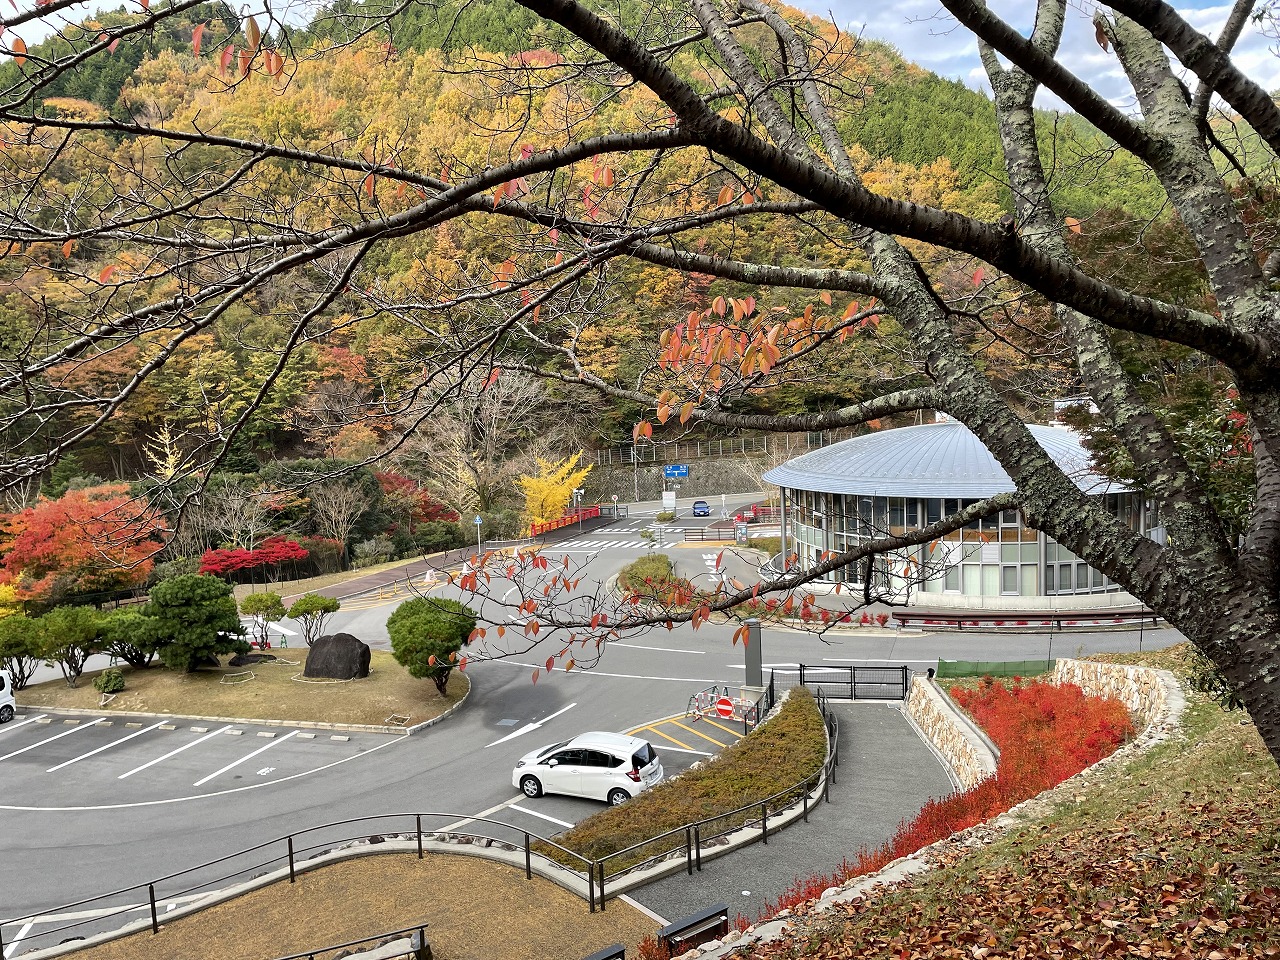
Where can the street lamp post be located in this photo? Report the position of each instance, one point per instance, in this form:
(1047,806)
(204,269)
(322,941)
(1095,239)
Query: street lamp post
(577,505)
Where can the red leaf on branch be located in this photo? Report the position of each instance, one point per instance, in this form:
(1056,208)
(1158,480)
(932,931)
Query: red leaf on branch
(977,276)
(197,34)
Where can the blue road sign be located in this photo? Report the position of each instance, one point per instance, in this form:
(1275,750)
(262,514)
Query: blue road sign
(673,471)
(478,521)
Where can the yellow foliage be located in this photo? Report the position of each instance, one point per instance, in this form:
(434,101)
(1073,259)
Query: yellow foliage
(547,493)
(9,602)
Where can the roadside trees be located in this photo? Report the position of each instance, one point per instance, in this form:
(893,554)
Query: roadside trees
(265,608)
(71,635)
(193,619)
(311,611)
(127,634)
(21,647)
(426,635)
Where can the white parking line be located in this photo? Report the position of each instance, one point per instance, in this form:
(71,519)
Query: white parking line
(56,736)
(540,816)
(186,746)
(13,944)
(23,723)
(250,756)
(636,646)
(113,743)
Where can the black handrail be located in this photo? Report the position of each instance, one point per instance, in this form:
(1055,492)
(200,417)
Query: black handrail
(419,929)
(151,899)
(827,769)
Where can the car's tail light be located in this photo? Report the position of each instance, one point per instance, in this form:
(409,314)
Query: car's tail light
(634,774)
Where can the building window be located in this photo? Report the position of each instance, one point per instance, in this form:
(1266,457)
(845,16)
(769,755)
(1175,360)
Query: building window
(1009,580)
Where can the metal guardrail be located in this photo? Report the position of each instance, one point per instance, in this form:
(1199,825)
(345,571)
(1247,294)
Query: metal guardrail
(419,933)
(693,836)
(291,851)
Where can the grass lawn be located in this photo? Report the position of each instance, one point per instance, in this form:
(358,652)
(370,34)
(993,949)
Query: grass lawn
(271,694)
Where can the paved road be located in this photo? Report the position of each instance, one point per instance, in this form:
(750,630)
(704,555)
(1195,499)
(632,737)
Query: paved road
(72,828)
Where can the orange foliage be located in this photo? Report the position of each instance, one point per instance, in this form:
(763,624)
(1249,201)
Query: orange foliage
(87,541)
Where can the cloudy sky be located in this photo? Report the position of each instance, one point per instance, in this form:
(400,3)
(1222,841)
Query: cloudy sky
(924,33)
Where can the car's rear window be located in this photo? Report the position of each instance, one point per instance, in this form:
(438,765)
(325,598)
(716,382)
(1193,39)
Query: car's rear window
(643,757)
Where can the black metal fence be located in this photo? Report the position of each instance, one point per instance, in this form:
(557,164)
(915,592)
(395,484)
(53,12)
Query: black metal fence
(690,839)
(288,854)
(846,683)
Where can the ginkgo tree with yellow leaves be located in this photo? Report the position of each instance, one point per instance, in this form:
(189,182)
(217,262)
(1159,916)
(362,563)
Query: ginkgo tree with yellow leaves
(548,492)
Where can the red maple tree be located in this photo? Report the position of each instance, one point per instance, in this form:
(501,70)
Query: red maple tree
(95,540)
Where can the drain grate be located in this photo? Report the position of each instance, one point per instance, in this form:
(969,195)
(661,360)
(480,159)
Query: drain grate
(507,723)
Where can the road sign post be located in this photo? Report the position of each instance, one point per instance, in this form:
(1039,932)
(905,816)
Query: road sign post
(478,521)
(724,708)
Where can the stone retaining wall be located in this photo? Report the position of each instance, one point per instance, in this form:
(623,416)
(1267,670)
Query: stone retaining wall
(1138,688)
(955,739)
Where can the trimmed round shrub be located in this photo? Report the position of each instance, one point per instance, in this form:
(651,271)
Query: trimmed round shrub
(110,680)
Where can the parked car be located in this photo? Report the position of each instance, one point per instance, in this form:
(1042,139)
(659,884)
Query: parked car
(612,767)
(701,508)
(7,703)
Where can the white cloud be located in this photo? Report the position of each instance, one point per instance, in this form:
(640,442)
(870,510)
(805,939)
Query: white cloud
(927,35)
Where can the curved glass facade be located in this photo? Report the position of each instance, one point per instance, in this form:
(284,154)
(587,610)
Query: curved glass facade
(997,556)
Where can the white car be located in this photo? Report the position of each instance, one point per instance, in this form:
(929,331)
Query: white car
(612,767)
(7,703)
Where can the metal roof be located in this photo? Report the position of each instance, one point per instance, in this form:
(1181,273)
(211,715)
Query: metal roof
(933,460)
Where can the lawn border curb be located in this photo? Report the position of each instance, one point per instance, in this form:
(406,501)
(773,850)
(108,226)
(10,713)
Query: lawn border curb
(302,724)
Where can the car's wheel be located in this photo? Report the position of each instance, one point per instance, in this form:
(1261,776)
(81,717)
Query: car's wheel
(531,786)
(6,713)
(617,795)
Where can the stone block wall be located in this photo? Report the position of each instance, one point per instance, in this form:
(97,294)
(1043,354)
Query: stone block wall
(1138,688)
(951,734)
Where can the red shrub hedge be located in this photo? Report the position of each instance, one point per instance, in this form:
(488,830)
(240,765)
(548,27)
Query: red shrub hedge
(1045,733)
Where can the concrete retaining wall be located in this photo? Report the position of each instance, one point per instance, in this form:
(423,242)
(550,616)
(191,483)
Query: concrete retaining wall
(955,739)
(1138,688)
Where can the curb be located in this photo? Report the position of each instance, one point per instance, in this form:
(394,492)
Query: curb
(302,724)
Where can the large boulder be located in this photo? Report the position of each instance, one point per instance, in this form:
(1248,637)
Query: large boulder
(338,657)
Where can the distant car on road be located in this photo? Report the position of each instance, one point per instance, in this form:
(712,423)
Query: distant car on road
(612,767)
(701,508)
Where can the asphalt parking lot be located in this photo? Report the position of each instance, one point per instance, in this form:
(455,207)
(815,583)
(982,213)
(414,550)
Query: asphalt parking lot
(52,761)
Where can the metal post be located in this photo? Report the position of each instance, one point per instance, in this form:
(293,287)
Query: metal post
(291,873)
(155,920)
(528,858)
(754,655)
(591,884)
(804,797)
(764,822)
(688,850)
(419,819)
(697,846)
(602,886)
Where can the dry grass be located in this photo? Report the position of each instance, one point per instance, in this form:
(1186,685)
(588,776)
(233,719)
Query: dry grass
(272,694)
(475,910)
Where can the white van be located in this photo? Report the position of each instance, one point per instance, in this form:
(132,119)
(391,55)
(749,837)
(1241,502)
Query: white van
(7,702)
